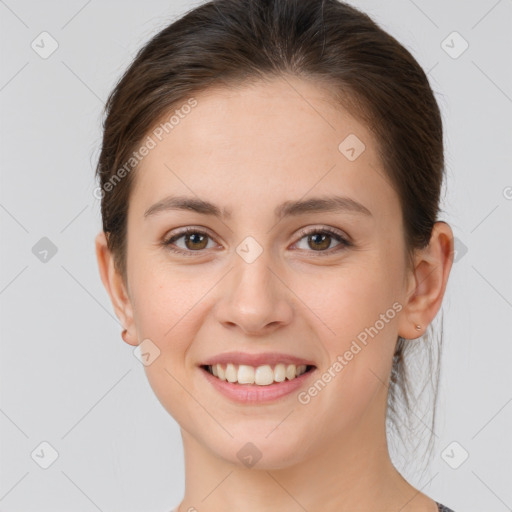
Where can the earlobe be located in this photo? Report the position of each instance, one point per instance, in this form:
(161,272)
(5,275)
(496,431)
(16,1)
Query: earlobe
(116,288)
(431,272)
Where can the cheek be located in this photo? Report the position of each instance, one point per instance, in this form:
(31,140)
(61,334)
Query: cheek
(165,311)
(361,309)
(347,300)
(164,298)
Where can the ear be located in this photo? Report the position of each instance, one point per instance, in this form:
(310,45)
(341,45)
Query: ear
(427,283)
(116,288)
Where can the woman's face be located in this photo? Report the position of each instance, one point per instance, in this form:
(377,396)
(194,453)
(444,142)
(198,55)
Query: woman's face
(253,282)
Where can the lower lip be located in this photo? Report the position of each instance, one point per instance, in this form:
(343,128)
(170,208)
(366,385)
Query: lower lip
(252,393)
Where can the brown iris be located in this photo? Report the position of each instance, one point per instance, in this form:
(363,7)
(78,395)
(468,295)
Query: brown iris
(324,243)
(198,243)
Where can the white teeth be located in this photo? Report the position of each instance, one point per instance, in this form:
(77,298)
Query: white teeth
(279,373)
(245,374)
(231,373)
(262,375)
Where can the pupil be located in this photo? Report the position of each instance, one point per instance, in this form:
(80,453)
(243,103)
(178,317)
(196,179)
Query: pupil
(193,236)
(324,245)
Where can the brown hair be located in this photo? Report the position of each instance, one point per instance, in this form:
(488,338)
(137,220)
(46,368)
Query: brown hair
(229,42)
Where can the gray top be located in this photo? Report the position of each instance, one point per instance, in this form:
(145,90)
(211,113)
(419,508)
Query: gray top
(441,508)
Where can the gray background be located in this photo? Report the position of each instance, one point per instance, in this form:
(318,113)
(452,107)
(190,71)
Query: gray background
(69,380)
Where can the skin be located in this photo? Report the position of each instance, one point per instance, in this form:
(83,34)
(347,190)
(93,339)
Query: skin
(248,149)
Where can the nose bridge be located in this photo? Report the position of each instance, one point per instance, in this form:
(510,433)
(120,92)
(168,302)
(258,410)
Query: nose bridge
(252,263)
(253,286)
(254,297)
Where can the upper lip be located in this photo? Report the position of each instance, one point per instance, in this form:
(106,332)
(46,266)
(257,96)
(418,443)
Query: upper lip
(270,358)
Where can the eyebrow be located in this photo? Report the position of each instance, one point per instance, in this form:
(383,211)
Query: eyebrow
(339,204)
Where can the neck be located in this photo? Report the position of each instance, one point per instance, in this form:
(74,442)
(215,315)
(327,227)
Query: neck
(350,473)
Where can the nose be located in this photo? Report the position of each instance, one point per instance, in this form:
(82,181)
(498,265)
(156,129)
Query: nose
(254,298)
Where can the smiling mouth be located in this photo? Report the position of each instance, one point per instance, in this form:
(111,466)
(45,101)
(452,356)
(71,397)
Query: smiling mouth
(263,375)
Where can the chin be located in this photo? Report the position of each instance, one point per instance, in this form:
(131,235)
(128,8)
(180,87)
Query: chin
(260,450)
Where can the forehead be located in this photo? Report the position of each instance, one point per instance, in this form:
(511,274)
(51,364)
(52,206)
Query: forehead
(263,118)
(277,138)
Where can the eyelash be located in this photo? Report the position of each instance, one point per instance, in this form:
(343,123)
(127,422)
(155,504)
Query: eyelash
(344,243)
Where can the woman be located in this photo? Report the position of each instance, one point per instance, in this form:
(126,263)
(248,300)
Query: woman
(270,178)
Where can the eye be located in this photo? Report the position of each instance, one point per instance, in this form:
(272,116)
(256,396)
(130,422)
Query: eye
(195,240)
(320,240)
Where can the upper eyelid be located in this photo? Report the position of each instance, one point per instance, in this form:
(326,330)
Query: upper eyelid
(311,229)
(188,229)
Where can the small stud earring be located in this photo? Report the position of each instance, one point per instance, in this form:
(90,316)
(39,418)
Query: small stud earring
(418,327)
